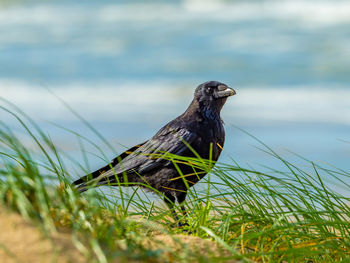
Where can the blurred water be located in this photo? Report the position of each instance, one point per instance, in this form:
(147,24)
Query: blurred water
(129,67)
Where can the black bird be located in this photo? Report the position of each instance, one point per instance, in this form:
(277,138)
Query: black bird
(198,130)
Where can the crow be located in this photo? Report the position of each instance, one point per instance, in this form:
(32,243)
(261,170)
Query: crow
(197,132)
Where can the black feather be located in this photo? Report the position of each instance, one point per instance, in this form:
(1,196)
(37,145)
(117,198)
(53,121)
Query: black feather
(114,162)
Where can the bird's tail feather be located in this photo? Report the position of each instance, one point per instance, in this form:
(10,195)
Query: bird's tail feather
(86,186)
(93,175)
(83,184)
(94,179)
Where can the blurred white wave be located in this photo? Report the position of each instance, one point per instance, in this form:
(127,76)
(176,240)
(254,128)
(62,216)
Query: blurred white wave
(134,101)
(311,104)
(306,12)
(98,28)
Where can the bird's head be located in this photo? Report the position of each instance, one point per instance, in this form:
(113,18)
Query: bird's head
(213,95)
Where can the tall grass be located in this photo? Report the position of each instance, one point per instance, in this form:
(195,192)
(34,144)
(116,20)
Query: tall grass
(264,215)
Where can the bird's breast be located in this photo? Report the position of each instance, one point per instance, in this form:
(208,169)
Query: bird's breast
(210,140)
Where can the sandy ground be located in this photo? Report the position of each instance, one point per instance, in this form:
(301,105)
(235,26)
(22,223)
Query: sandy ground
(198,246)
(21,241)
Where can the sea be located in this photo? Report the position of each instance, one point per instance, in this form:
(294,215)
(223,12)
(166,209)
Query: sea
(128,67)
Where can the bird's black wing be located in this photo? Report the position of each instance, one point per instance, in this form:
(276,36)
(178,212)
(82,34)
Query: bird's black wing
(146,157)
(168,140)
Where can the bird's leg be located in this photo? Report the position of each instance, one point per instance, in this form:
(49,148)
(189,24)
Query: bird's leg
(169,199)
(181,196)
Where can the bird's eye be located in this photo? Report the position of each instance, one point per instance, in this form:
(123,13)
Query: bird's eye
(209,90)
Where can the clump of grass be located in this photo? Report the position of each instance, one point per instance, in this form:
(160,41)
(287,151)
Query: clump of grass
(264,215)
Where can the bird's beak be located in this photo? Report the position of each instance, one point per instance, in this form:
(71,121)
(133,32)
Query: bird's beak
(224,91)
